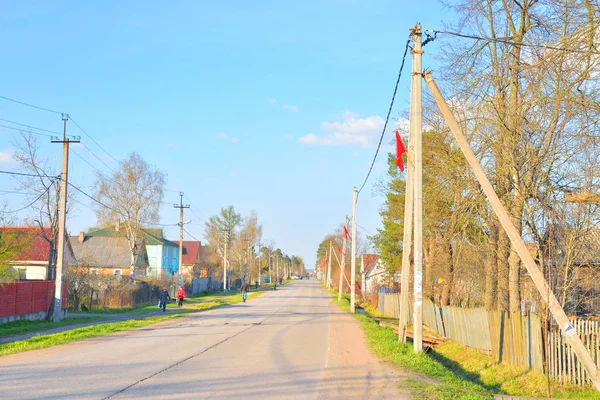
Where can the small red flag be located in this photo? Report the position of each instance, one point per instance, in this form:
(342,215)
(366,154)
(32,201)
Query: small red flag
(339,250)
(327,261)
(346,235)
(399,151)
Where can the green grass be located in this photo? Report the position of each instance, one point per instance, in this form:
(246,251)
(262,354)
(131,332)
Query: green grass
(461,373)
(41,342)
(25,326)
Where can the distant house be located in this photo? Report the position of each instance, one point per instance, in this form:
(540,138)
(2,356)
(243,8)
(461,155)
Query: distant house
(190,260)
(163,255)
(33,259)
(104,255)
(372,270)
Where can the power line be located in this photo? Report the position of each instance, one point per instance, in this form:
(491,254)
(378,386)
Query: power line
(25,174)
(30,204)
(92,139)
(29,126)
(98,158)
(387,117)
(510,42)
(192,236)
(23,130)
(30,105)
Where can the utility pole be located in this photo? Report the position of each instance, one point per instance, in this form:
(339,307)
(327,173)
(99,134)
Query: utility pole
(408,228)
(418,190)
(329,266)
(343,266)
(247,256)
(57,311)
(353,262)
(569,332)
(181,206)
(226,235)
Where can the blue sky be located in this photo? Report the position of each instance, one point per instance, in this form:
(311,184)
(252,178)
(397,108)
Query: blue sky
(274,106)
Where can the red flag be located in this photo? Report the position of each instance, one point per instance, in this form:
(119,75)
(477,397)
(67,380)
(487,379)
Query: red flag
(339,250)
(346,235)
(399,151)
(327,261)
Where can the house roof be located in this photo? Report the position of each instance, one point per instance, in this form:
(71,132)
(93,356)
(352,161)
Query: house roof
(152,236)
(102,251)
(191,251)
(369,261)
(38,250)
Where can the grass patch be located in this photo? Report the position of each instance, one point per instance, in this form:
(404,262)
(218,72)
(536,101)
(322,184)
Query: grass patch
(25,326)
(41,342)
(462,373)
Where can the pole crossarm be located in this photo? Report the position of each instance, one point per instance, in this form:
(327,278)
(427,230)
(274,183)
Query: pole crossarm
(515,238)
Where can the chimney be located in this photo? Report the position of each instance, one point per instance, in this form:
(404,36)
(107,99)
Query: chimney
(118,225)
(81,237)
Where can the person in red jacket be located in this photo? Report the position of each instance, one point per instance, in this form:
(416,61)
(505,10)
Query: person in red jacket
(180,296)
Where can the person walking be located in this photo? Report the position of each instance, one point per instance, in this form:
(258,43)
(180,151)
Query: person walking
(180,297)
(164,298)
(244,290)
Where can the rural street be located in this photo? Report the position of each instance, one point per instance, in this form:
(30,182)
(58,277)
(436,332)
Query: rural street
(293,343)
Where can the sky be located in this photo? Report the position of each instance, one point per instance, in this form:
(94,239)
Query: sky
(272,106)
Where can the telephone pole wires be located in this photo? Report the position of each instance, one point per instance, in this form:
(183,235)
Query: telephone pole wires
(57,312)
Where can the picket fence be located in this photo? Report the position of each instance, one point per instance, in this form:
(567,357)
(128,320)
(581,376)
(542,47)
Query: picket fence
(509,338)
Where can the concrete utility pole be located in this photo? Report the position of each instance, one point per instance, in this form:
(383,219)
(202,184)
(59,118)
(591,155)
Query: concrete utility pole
(226,234)
(343,265)
(569,332)
(353,262)
(181,206)
(409,195)
(62,219)
(329,266)
(418,190)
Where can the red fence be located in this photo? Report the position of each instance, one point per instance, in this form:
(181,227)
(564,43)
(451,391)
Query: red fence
(26,297)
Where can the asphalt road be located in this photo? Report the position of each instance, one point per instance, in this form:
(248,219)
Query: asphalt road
(292,343)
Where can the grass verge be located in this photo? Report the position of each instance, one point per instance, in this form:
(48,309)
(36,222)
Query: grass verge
(41,342)
(25,326)
(462,373)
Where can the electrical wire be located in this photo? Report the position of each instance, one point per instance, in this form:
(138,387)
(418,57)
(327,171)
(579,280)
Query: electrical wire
(97,158)
(23,130)
(29,126)
(92,139)
(509,42)
(30,105)
(387,118)
(192,236)
(32,203)
(25,174)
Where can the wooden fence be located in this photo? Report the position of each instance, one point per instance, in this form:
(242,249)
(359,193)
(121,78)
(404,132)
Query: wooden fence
(509,338)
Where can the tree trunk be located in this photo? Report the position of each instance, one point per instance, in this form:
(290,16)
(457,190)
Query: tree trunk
(449,276)
(502,265)
(514,261)
(428,283)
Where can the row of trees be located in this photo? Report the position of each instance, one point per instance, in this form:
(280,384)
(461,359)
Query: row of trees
(238,241)
(531,110)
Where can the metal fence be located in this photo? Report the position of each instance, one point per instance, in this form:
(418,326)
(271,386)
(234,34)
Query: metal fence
(509,338)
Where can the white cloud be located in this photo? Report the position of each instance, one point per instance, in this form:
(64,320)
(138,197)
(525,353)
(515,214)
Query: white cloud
(6,156)
(221,135)
(235,140)
(291,107)
(350,131)
(272,101)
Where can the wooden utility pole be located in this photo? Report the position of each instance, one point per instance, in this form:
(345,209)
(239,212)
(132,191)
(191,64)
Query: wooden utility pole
(418,189)
(343,266)
(353,262)
(409,195)
(516,240)
(329,266)
(56,310)
(181,206)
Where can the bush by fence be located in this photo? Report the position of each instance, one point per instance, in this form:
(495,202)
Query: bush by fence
(510,338)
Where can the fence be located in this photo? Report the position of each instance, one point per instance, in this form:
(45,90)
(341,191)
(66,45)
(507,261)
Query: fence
(509,338)
(26,297)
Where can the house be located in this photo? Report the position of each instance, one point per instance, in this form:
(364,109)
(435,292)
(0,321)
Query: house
(163,255)
(32,258)
(104,255)
(190,260)
(372,271)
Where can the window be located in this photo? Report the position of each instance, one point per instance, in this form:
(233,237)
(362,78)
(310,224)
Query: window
(117,272)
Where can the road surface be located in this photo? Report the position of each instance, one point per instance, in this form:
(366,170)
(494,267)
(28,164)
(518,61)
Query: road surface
(293,343)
